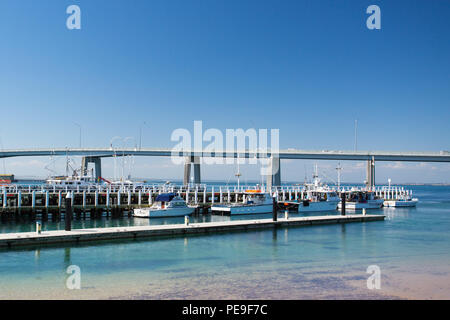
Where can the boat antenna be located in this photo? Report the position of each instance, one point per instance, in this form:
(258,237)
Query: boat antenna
(315,173)
(52,162)
(305,175)
(238,173)
(67,164)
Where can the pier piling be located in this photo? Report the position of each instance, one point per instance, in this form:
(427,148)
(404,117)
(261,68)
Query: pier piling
(274,209)
(342,204)
(68,213)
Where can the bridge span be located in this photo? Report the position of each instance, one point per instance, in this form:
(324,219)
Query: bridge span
(94,155)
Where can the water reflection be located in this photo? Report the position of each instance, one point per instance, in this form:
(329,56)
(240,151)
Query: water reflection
(67,258)
(392,213)
(37,255)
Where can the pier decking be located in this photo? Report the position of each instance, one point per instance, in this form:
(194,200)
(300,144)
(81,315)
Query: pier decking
(96,234)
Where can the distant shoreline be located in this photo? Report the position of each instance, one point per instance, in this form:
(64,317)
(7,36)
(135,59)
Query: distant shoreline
(155,180)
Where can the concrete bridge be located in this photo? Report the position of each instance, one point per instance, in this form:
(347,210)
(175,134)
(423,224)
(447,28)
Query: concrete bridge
(94,155)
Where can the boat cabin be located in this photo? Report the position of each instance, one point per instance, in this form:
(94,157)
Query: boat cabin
(169,200)
(359,196)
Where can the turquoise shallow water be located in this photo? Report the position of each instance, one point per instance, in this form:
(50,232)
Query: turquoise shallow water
(411,248)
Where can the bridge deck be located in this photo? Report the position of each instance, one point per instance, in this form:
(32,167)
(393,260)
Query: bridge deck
(441,156)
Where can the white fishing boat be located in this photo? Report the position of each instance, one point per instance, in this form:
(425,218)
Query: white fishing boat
(79,177)
(71,181)
(319,200)
(255,202)
(398,197)
(316,197)
(166,205)
(358,199)
(412,202)
(125,184)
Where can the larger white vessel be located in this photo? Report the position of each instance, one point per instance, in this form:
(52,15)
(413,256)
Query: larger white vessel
(71,181)
(358,199)
(319,200)
(397,196)
(79,177)
(166,205)
(255,202)
(316,197)
(411,202)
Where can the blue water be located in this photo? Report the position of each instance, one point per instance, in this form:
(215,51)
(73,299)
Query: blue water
(411,248)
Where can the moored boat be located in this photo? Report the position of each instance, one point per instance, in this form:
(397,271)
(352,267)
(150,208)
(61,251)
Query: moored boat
(166,205)
(401,202)
(71,181)
(395,196)
(316,197)
(255,202)
(361,199)
(319,200)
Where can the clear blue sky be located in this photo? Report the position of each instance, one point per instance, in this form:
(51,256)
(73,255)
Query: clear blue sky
(308,68)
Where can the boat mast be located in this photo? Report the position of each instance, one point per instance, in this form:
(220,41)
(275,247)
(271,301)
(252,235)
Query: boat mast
(238,174)
(339,168)
(315,176)
(67,164)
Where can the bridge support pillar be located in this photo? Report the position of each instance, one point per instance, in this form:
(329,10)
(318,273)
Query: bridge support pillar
(370,181)
(274,174)
(195,161)
(97,163)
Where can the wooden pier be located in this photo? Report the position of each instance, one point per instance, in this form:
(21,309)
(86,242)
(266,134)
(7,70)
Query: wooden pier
(10,240)
(46,202)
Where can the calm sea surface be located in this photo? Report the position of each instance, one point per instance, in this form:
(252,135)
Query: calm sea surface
(411,248)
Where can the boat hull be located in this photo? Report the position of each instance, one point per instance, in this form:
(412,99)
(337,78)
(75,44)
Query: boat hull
(400,203)
(316,206)
(369,204)
(162,213)
(241,210)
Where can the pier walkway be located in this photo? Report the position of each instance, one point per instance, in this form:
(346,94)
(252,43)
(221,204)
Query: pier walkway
(9,240)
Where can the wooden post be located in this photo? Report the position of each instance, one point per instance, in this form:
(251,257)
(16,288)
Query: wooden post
(68,215)
(343,204)
(274,209)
